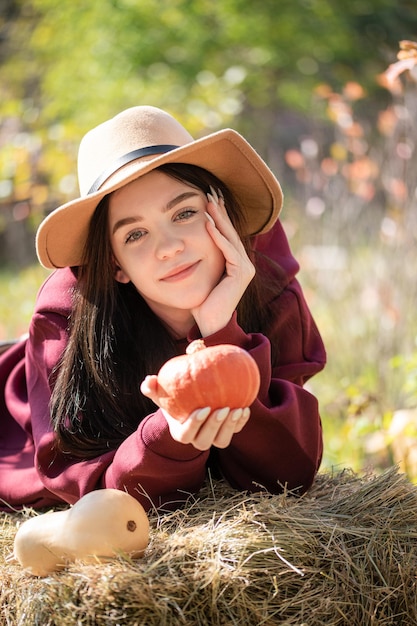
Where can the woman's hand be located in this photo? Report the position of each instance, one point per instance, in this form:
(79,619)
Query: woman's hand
(203,428)
(215,312)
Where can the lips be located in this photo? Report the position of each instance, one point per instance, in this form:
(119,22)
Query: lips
(180,272)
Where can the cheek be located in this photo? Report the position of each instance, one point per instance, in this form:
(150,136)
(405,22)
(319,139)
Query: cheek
(127,264)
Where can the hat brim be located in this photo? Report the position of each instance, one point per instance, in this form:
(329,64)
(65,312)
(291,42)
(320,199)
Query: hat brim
(61,236)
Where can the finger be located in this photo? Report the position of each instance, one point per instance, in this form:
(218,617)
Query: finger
(194,420)
(221,215)
(214,194)
(185,430)
(210,219)
(235,422)
(218,198)
(209,429)
(226,427)
(224,233)
(149,386)
(241,420)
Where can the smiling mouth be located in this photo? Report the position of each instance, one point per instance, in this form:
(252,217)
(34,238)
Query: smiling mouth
(180,273)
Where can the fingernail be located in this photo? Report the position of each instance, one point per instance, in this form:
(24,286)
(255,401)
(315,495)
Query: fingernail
(214,194)
(203,414)
(246,412)
(220,194)
(237,414)
(210,219)
(222,414)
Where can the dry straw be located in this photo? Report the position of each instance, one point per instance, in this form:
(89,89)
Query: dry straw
(346,553)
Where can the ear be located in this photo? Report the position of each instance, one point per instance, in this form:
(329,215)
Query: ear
(121,277)
(119,274)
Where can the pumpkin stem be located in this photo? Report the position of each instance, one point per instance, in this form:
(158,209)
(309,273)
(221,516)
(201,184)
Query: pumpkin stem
(195,346)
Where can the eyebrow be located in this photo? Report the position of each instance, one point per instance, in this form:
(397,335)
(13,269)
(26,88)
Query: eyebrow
(170,205)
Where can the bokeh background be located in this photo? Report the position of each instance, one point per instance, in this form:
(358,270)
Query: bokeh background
(305,81)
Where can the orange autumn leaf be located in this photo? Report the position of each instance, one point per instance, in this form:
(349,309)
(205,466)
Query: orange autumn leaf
(387,121)
(362,169)
(294,159)
(329,166)
(353,90)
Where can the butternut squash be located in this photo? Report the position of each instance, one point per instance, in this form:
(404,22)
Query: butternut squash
(99,526)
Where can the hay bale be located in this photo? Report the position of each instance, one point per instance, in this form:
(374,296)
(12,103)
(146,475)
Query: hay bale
(345,553)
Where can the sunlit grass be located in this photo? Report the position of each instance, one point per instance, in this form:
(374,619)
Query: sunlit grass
(365,313)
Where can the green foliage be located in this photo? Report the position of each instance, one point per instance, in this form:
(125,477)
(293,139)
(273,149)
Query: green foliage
(350,166)
(66,66)
(404,367)
(94,58)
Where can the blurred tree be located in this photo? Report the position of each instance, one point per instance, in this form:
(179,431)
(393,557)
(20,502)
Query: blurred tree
(196,56)
(65,66)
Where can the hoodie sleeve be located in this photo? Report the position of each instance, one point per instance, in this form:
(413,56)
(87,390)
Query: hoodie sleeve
(281,445)
(149,464)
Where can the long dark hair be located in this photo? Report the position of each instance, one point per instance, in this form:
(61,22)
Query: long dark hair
(96,401)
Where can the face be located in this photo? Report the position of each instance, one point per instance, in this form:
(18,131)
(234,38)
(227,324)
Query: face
(161,244)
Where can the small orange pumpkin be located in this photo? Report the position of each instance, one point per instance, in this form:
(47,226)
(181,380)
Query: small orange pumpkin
(215,376)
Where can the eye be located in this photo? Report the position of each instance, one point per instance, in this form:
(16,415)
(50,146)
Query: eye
(185,214)
(134,236)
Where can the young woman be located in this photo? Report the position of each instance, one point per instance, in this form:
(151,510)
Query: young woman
(171,239)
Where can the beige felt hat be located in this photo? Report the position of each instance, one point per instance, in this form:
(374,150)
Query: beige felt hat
(134,143)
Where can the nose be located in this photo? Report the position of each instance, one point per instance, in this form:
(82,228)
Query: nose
(168,245)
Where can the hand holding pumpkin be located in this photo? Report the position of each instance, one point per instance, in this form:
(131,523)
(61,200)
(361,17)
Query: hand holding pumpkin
(206,393)
(215,429)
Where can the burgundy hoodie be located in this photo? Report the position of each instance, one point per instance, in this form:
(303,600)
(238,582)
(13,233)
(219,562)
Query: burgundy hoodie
(281,445)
